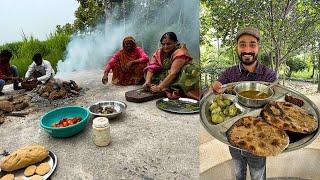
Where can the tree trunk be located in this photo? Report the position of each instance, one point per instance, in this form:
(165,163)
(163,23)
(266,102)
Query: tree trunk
(313,68)
(271,59)
(318,66)
(277,61)
(319,69)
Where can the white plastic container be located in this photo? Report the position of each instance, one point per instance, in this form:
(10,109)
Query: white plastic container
(101,131)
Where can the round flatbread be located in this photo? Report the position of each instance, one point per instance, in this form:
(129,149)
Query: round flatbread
(8,177)
(258,137)
(43,169)
(35,177)
(289,117)
(30,170)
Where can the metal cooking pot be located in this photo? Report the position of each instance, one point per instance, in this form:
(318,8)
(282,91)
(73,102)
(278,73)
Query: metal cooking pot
(246,86)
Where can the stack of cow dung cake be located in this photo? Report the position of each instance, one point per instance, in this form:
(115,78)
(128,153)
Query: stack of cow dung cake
(267,136)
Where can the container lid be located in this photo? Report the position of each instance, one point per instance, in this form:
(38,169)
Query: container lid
(100,122)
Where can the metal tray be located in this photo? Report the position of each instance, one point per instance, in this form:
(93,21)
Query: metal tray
(219,130)
(179,106)
(51,159)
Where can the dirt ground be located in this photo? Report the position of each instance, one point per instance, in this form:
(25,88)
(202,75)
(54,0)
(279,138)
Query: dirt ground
(147,143)
(306,88)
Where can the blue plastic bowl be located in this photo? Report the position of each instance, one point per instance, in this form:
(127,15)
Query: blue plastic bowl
(57,114)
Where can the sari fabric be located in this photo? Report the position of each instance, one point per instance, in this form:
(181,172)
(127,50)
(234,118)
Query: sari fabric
(118,63)
(188,79)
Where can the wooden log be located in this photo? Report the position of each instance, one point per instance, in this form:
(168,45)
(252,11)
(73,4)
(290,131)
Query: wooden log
(18,114)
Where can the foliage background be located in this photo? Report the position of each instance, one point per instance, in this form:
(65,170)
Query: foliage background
(289,34)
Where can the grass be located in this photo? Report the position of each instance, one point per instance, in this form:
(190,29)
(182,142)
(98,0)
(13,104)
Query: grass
(52,49)
(306,74)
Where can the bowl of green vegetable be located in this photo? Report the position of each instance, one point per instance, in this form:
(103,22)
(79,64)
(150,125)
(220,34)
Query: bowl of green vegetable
(222,107)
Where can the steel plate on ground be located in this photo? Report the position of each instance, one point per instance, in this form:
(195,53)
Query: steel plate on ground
(180,106)
(51,159)
(218,131)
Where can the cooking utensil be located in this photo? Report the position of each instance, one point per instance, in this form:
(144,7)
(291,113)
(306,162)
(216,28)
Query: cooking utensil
(57,114)
(219,130)
(141,95)
(249,102)
(179,106)
(118,106)
(266,89)
(51,159)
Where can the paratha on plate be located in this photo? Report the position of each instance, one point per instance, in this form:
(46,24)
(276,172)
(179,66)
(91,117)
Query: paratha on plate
(258,137)
(289,117)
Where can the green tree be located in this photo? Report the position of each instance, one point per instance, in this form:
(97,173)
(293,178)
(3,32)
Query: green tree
(286,26)
(296,64)
(89,14)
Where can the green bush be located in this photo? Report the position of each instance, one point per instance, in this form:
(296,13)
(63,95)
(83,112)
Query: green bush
(52,49)
(296,64)
(13,47)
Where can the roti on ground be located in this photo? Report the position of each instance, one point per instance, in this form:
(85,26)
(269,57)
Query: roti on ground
(289,117)
(258,137)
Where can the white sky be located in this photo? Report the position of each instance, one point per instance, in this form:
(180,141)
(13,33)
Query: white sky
(34,17)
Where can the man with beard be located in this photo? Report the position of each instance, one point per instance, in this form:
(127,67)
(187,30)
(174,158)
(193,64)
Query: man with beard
(249,69)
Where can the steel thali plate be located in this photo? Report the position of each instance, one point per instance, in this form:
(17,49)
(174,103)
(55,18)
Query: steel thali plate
(219,130)
(51,159)
(179,106)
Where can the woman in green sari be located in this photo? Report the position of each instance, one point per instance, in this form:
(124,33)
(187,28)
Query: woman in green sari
(172,70)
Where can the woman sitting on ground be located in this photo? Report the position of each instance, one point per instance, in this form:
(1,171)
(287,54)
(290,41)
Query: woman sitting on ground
(170,68)
(127,64)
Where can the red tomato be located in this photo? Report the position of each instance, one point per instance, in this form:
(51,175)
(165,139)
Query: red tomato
(70,122)
(65,123)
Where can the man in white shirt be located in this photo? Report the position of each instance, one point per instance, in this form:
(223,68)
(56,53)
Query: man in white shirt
(40,70)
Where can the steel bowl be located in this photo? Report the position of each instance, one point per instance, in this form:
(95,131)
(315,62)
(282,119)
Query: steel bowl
(249,102)
(118,106)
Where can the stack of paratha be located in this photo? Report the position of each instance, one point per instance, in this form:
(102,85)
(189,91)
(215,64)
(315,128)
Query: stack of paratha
(267,136)
(289,117)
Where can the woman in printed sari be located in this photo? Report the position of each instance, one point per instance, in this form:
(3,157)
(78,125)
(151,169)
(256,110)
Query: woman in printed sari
(170,68)
(127,64)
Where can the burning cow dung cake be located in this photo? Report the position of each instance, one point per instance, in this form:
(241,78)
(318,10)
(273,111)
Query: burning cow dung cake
(56,89)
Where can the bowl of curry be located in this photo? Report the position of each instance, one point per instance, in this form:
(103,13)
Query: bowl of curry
(247,94)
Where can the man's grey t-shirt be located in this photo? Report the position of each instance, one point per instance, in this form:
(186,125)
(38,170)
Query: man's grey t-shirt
(238,73)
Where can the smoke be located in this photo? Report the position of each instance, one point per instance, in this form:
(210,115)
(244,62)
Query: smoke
(93,49)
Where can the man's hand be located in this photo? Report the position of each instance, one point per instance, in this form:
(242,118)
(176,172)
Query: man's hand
(34,80)
(16,79)
(216,86)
